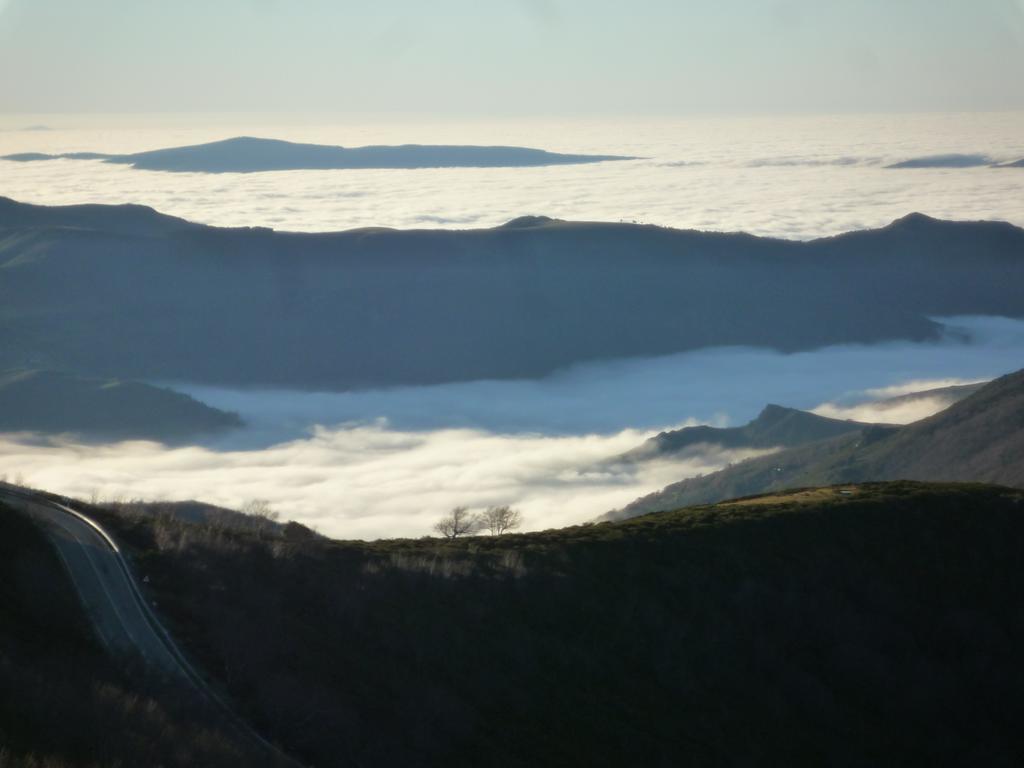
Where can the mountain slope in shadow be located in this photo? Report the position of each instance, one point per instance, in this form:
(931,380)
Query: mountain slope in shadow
(247,154)
(51,402)
(125,292)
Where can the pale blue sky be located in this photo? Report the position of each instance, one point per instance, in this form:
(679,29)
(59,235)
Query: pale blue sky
(511,57)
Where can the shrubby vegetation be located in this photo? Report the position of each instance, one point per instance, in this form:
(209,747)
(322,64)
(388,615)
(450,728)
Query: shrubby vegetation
(877,627)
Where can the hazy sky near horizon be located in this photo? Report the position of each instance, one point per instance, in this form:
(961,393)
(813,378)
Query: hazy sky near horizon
(514,57)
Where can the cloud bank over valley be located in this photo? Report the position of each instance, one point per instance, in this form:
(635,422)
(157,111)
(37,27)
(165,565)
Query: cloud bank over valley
(387,463)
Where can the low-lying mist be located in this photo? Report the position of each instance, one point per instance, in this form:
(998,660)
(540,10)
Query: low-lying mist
(388,463)
(721,386)
(370,481)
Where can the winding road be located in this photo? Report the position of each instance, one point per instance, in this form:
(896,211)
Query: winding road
(105,587)
(120,614)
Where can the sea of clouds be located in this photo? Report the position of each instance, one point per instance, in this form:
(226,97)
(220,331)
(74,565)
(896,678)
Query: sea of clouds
(792,177)
(388,463)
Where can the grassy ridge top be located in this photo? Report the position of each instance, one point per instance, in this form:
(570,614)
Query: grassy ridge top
(879,626)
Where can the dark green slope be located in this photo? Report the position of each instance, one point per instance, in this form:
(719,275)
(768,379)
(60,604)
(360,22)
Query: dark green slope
(878,628)
(57,403)
(980,438)
(379,307)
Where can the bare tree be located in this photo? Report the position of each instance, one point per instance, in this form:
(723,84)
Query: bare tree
(264,516)
(499,520)
(458,522)
(259,508)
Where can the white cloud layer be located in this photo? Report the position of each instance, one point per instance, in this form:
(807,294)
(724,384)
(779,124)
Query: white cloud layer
(388,463)
(369,481)
(795,177)
(886,413)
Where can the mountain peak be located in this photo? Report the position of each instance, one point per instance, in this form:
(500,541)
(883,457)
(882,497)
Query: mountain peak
(914,219)
(528,222)
(772,413)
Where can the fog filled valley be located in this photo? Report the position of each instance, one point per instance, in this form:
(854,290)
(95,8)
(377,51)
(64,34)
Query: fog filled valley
(339,376)
(351,463)
(593,436)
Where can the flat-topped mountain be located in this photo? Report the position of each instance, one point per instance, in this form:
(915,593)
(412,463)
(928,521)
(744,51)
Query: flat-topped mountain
(246,154)
(775,427)
(979,438)
(52,402)
(125,292)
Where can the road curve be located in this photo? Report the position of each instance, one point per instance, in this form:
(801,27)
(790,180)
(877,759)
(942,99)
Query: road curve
(120,615)
(103,586)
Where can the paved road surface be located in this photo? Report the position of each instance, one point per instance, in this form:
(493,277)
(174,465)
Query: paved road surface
(103,586)
(118,611)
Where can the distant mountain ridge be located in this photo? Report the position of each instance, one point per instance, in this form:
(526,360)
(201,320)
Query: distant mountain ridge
(53,402)
(775,427)
(978,439)
(127,219)
(247,154)
(125,292)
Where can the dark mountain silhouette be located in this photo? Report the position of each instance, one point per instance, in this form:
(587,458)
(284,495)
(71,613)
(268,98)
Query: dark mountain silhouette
(980,438)
(246,154)
(125,292)
(775,426)
(55,403)
(780,427)
(125,219)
